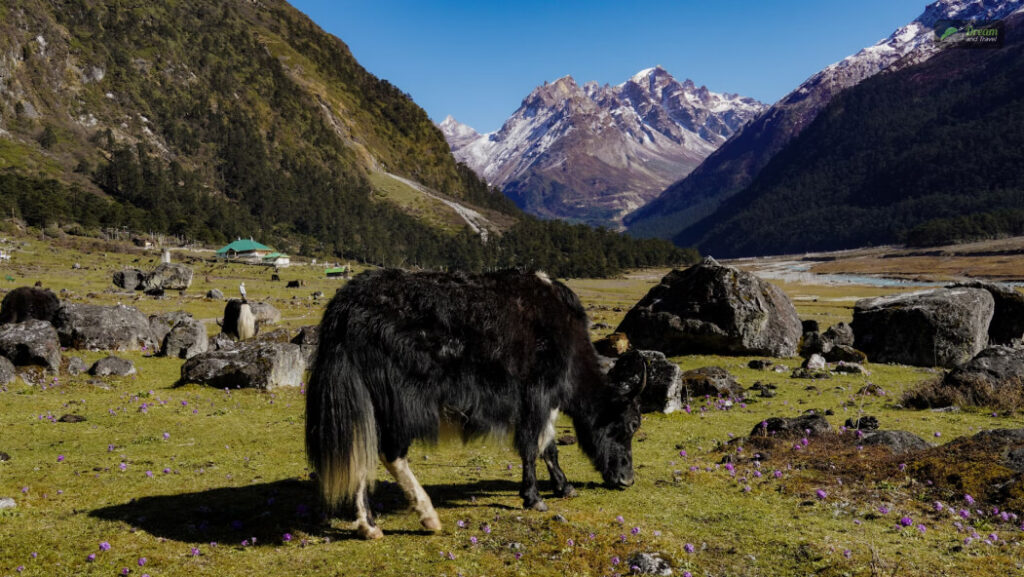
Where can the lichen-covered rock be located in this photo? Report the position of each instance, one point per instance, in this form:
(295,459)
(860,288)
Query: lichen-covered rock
(1008,317)
(990,371)
(255,365)
(941,327)
(162,324)
(168,276)
(712,381)
(76,366)
(804,425)
(7,371)
(215,294)
(112,367)
(116,328)
(33,342)
(649,564)
(716,309)
(308,336)
(839,334)
(185,340)
(25,303)
(129,279)
(814,363)
(897,441)
(845,354)
(664,384)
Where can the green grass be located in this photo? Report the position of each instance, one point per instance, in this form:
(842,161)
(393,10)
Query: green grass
(415,203)
(238,457)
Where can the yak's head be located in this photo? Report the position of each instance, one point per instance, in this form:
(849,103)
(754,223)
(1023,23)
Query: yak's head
(614,420)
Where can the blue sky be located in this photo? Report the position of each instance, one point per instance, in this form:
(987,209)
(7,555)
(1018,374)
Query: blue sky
(477,59)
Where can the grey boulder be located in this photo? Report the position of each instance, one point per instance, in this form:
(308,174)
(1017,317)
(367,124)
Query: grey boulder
(33,342)
(941,327)
(1008,319)
(897,441)
(993,369)
(713,381)
(116,328)
(804,425)
(265,313)
(185,340)
(168,276)
(257,365)
(7,371)
(112,367)
(716,309)
(162,324)
(129,278)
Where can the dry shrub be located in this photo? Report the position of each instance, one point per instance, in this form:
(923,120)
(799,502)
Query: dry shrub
(967,392)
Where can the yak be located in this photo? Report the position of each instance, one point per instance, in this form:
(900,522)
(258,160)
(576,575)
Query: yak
(403,353)
(24,303)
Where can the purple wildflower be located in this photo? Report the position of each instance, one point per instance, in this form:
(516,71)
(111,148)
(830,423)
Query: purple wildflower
(142,561)
(968,499)
(821,494)
(91,557)
(104,546)
(906,521)
(689,548)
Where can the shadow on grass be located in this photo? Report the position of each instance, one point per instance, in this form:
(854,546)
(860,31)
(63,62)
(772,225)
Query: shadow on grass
(267,511)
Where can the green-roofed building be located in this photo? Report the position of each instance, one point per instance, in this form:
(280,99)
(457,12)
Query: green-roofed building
(245,249)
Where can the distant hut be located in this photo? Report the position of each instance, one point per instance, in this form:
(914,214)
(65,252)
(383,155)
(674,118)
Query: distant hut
(277,259)
(245,250)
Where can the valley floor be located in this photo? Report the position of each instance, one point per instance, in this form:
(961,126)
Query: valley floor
(164,480)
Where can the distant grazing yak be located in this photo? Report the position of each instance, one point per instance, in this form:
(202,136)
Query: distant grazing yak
(401,353)
(24,303)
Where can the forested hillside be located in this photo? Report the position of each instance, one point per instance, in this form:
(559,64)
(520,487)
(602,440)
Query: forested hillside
(213,119)
(929,154)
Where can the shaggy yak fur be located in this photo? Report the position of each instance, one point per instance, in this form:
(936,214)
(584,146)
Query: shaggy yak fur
(24,303)
(402,352)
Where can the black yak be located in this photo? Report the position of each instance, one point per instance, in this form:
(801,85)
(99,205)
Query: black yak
(402,352)
(24,303)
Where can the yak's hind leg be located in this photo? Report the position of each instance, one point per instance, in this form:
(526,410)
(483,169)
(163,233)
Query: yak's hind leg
(418,498)
(365,525)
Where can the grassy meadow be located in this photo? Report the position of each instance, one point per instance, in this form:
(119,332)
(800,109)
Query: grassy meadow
(165,481)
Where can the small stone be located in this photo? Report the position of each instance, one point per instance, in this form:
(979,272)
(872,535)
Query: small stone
(559,519)
(76,366)
(7,503)
(4,457)
(112,366)
(71,419)
(649,564)
(865,423)
(566,440)
(759,364)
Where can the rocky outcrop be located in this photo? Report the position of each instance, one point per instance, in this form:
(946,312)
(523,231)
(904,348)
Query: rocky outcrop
(991,370)
(250,365)
(33,342)
(714,381)
(116,328)
(804,425)
(162,324)
(186,339)
(942,327)
(129,279)
(7,371)
(897,441)
(716,309)
(24,303)
(1008,317)
(168,276)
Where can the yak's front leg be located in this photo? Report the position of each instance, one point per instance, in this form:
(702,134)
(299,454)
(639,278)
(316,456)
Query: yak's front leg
(562,486)
(532,435)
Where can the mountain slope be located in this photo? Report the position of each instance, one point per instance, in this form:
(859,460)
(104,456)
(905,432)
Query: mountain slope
(592,153)
(213,119)
(736,163)
(936,140)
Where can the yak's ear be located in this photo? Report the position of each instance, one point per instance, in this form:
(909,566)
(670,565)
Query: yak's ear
(631,389)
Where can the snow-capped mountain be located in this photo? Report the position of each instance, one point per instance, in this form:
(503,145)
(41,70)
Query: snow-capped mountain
(735,164)
(593,153)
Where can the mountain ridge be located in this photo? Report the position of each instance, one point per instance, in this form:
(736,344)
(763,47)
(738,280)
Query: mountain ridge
(591,152)
(736,163)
